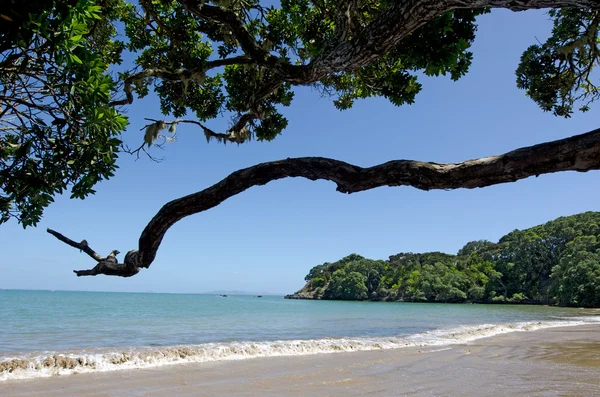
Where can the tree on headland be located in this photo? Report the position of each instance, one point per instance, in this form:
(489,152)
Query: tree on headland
(554,263)
(347,286)
(62,102)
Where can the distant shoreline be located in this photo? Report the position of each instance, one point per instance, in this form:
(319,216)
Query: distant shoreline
(303,296)
(233,293)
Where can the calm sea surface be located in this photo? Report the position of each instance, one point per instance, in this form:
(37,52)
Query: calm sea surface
(96,331)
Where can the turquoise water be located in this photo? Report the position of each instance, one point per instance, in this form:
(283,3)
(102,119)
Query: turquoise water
(153,329)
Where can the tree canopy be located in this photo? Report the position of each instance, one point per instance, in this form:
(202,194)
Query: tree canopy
(554,263)
(69,68)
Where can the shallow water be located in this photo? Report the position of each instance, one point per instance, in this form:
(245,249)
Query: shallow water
(45,333)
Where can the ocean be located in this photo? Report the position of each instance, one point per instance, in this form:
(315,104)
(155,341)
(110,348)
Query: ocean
(47,333)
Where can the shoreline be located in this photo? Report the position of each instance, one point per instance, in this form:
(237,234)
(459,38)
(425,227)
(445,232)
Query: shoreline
(309,296)
(550,361)
(49,364)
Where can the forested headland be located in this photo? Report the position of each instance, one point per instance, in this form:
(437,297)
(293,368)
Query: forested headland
(557,263)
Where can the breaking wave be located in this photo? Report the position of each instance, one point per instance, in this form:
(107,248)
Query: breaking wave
(47,364)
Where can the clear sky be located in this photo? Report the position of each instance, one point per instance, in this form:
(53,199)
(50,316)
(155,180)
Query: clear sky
(267,238)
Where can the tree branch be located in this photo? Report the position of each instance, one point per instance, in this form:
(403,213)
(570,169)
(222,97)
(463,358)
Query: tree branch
(228,18)
(248,43)
(578,153)
(148,7)
(82,246)
(176,75)
(106,265)
(208,133)
(238,133)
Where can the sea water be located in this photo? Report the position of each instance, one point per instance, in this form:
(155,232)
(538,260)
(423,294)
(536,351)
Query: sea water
(46,333)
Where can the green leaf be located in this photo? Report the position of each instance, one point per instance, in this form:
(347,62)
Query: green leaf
(75,58)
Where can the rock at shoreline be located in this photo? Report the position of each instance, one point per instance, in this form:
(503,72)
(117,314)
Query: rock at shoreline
(300,295)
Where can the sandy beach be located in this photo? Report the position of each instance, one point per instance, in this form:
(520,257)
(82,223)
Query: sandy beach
(550,362)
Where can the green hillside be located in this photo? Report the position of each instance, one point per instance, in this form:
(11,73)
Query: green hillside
(554,263)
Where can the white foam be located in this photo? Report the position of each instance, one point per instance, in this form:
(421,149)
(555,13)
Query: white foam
(51,364)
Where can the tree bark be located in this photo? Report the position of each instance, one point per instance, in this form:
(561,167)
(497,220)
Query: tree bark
(403,18)
(578,153)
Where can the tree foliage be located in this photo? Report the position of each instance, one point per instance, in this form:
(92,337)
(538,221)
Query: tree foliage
(57,126)
(557,74)
(554,263)
(64,87)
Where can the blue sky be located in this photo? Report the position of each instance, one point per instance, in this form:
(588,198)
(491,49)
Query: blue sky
(267,238)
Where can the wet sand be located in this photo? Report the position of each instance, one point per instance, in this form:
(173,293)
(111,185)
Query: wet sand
(550,362)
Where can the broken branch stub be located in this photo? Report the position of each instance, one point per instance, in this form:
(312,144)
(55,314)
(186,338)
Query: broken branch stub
(107,265)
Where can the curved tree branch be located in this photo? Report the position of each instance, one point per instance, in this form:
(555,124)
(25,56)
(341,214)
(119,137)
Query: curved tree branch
(578,153)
